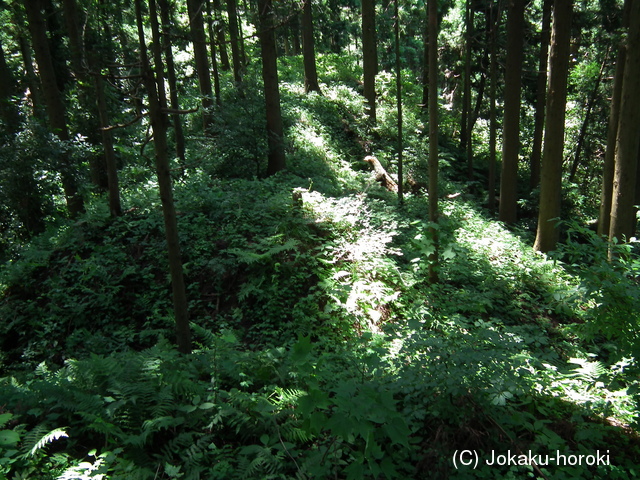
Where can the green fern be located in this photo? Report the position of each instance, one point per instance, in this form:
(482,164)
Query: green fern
(44,440)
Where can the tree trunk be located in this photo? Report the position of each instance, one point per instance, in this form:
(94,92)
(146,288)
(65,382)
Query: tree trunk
(369,55)
(604,219)
(222,41)
(115,207)
(396,28)
(232,12)
(511,121)
(53,102)
(470,115)
(496,14)
(308,50)
(79,44)
(95,60)
(214,60)
(552,154)
(425,65)
(159,122)
(433,138)
(167,21)
(466,92)
(585,123)
(199,38)
(541,94)
(628,140)
(275,135)
(9,112)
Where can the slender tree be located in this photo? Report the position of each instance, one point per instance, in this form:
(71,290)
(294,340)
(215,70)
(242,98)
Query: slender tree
(608,168)
(222,41)
(199,38)
(541,94)
(628,140)
(433,137)
(396,29)
(53,100)
(159,121)
(369,55)
(308,50)
(466,92)
(9,113)
(552,154)
(275,129)
(495,15)
(214,59)
(167,22)
(511,122)
(591,100)
(234,36)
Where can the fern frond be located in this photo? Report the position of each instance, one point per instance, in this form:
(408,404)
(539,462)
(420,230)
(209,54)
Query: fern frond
(49,437)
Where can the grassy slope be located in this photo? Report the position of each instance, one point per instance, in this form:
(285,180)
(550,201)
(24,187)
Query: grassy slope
(322,351)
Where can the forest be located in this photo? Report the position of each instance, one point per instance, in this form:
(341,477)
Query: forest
(328,239)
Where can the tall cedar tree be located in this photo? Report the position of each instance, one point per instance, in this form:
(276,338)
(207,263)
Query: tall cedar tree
(495,15)
(396,29)
(200,56)
(466,91)
(53,101)
(27,204)
(433,137)
(234,36)
(369,55)
(511,122)
(9,113)
(276,158)
(628,139)
(222,42)
(608,169)
(154,85)
(308,50)
(541,94)
(214,60)
(167,22)
(552,154)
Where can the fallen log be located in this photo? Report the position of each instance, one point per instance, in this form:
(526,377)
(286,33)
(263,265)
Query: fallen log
(381,174)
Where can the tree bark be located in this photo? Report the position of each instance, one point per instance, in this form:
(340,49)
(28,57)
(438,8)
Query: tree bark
(214,60)
(9,112)
(511,123)
(234,35)
(496,14)
(433,138)
(552,154)
(167,21)
(276,158)
(627,141)
(222,41)
(194,7)
(53,102)
(369,55)
(608,169)
(591,100)
(308,50)
(466,92)
(159,121)
(541,94)
(396,28)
